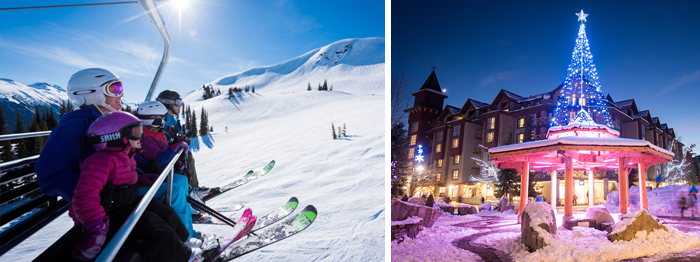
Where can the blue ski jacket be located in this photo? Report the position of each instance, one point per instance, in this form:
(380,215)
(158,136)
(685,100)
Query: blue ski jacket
(172,126)
(58,166)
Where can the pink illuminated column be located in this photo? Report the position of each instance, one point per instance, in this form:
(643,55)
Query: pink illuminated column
(568,187)
(591,189)
(642,186)
(524,186)
(622,178)
(553,197)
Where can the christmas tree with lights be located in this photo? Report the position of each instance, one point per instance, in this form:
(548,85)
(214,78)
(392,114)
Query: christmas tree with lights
(581,88)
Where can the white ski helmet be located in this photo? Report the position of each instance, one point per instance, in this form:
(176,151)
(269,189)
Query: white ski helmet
(152,113)
(89,86)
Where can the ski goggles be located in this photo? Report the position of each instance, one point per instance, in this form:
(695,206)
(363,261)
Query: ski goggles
(114,89)
(158,120)
(176,102)
(133,131)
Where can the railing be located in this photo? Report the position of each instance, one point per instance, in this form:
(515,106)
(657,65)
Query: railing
(477,150)
(475,165)
(541,137)
(113,247)
(479,135)
(543,120)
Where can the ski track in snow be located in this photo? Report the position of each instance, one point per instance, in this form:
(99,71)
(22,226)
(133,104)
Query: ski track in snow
(283,121)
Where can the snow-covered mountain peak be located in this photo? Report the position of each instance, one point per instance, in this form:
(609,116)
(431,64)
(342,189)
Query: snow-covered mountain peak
(46,86)
(355,52)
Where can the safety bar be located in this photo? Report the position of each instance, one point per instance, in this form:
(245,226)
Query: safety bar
(117,241)
(24,135)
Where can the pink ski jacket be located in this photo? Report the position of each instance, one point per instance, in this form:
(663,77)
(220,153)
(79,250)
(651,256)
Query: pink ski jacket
(100,167)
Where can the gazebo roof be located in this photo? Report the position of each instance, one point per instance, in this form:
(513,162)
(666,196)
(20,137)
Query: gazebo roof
(592,146)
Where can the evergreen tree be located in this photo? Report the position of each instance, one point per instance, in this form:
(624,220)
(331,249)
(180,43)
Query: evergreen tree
(325,85)
(37,115)
(344,135)
(22,151)
(319,87)
(339,132)
(581,89)
(506,184)
(529,133)
(204,125)
(211,129)
(194,122)
(334,135)
(253,89)
(431,201)
(331,87)
(399,163)
(7,154)
(309,88)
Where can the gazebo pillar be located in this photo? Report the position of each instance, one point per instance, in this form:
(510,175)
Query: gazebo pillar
(553,198)
(642,186)
(624,189)
(524,187)
(568,188)
(591,189)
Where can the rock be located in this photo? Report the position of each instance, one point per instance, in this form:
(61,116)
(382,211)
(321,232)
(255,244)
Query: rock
(466,210)
(486,206)
(417,201)
(402,211)
(600,214)
(446,200)
(630,224)
(538,214)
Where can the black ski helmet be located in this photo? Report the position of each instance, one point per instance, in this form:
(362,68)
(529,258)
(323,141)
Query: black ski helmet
(169,98)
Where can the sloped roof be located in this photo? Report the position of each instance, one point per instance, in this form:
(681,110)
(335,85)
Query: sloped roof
(432,83)
(625,103)
(449,110)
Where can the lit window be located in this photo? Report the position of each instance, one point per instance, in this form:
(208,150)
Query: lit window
(439,164)
(410,154)
(455,143)
(583,101)
(489,137)
(437,177)
(413,140)
(521,122)
(455,174)
(456,159)
(455,131)
(438,148)
(491,123)
(521,138)
(414,127)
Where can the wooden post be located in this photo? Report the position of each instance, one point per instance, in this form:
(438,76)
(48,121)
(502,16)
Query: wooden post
(553,197)
(568,187)
(524,186)
(642,186)
(591,191)
(622,178)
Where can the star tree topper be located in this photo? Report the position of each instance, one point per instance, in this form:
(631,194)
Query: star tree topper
(581,16)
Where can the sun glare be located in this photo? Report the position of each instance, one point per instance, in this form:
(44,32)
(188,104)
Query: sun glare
(180,4)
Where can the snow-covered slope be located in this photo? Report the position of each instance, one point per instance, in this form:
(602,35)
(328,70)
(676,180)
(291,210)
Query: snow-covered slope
(16,96)
(342,178)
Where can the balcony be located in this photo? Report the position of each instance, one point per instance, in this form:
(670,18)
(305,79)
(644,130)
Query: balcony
(477,150)
(475,165)
(479,135)
(541,137)
(543,120)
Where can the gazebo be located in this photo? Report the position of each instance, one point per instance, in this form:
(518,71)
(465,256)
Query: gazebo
(582,145)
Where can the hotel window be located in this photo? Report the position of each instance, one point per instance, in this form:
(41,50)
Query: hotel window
(455,191)
(489,137)
(439,137)
(455,143)
(455,131)
(491,123)
(644,133)
(413,140)
(521,122)
(582,101)
(439,164)
(437,177)
(438,148)
(537,102)
(414,127)
(521,138)
(455,174)
(410,154)
(456,159)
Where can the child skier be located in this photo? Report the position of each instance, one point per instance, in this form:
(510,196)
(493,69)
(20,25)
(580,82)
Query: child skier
(156,154)
(106,194)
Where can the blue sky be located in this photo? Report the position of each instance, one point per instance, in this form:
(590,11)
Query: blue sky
(643,50)
(209,38)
